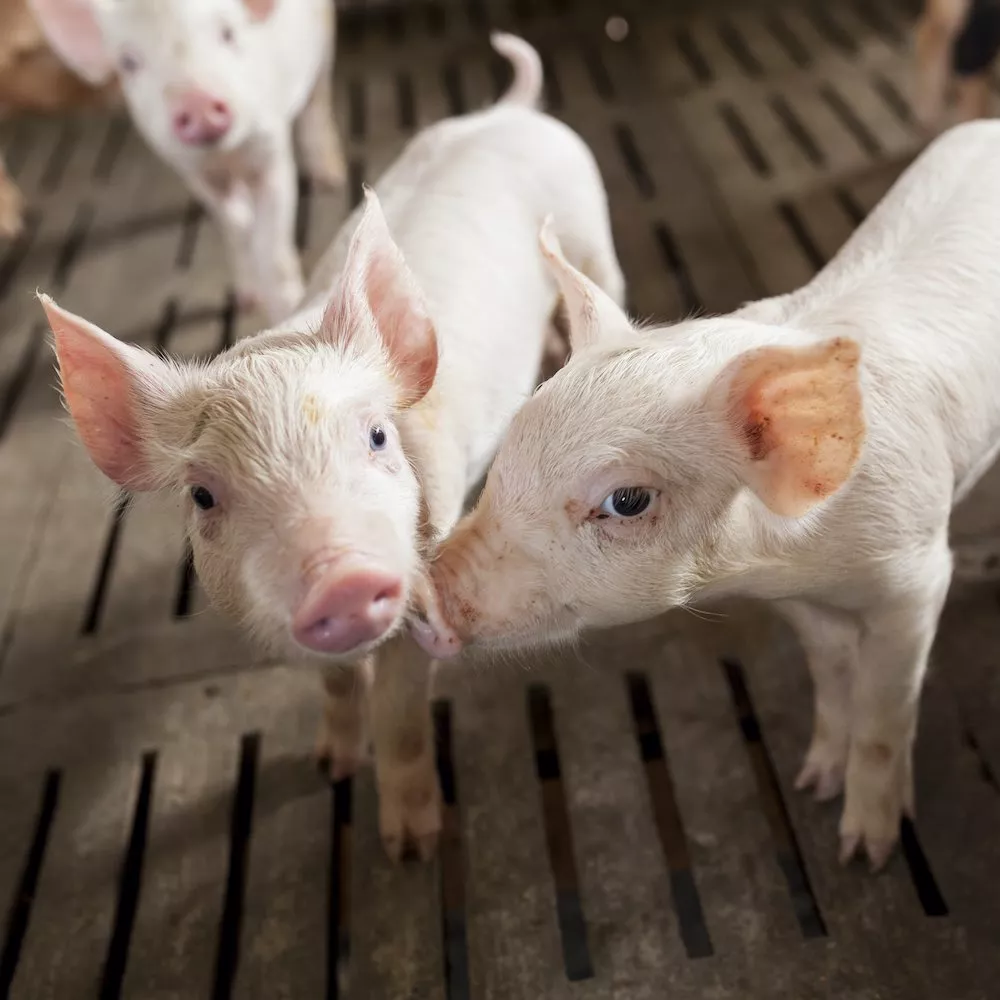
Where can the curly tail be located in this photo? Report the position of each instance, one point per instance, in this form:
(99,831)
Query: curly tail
(526,89)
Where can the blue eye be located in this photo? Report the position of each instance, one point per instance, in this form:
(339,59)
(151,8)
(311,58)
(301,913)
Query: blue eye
(377,438)
(628,501)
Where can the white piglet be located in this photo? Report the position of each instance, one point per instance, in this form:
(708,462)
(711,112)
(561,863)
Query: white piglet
(322,459)
(807,449)
(215,87)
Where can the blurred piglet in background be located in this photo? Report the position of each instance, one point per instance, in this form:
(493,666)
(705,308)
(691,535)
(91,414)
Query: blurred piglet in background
(321,460)
(215,87)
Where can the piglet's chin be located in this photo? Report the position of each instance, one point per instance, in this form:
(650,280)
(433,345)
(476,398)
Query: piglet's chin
(437,640)
(428,627)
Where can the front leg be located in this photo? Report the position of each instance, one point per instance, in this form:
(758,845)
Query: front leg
(894,651)
(342,744)
(830,641)
(276,262)
(409,792)
(316,128)
(233,210)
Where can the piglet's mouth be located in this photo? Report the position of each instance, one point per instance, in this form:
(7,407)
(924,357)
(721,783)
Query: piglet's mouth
(428,626)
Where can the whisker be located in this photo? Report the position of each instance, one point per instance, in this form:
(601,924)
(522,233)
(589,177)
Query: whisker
(700,613)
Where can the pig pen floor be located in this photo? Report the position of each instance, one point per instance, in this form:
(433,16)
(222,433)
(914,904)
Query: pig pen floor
(620,821)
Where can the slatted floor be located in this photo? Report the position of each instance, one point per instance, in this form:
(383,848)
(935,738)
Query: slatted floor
(620,823)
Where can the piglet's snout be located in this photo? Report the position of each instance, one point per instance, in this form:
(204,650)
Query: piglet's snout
(347,608)
(199,118)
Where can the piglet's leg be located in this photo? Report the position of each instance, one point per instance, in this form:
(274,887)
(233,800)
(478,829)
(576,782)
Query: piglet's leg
(342,743)
(409,793)
(11,205)
(937,31)
(316,131)
(895,646)
(275,259)
(233,211)
(830,642)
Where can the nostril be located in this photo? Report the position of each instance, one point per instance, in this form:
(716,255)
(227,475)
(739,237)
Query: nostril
(183,120)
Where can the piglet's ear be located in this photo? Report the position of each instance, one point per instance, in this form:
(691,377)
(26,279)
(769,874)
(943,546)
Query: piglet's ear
(799,418)
(259,10)
(72,29)
(593,315)
(106,383)
(377,285)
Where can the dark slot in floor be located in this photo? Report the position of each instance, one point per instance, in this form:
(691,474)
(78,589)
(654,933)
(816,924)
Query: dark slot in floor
(129,885)
(559,837)
(456,951)
(923,878)
(72,246)
(338,948)
(787,851)
(798,132)
(20,911)
(692,55)
(744,140)
(797,227)
(686,900)
(193,216)
(95,606)
(18,380)
(227,956)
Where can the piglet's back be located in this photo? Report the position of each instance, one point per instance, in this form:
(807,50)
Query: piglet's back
(918,285)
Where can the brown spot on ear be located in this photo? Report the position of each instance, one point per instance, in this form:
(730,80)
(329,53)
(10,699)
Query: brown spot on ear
(755,431)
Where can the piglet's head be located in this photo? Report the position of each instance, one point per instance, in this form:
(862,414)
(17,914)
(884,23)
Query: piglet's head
(643,473)
(185,66)
(304,511)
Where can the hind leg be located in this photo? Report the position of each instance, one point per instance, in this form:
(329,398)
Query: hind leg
(937,31)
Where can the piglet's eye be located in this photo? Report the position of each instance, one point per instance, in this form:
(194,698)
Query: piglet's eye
(626,501)
(226,34)
(377,438)
(202,498)
(128,63)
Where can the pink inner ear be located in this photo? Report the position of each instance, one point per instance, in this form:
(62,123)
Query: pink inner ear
(406,328)
(100,395)
(71,28)
(259,10)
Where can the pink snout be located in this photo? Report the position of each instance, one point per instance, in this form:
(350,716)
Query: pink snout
(199,118)
(348,610)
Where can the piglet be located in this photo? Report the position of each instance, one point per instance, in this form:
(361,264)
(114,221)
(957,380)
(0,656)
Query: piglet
(806,449)
(215,87)
(320,460)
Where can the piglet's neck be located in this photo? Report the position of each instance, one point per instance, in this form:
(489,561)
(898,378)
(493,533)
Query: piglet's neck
(750,553)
